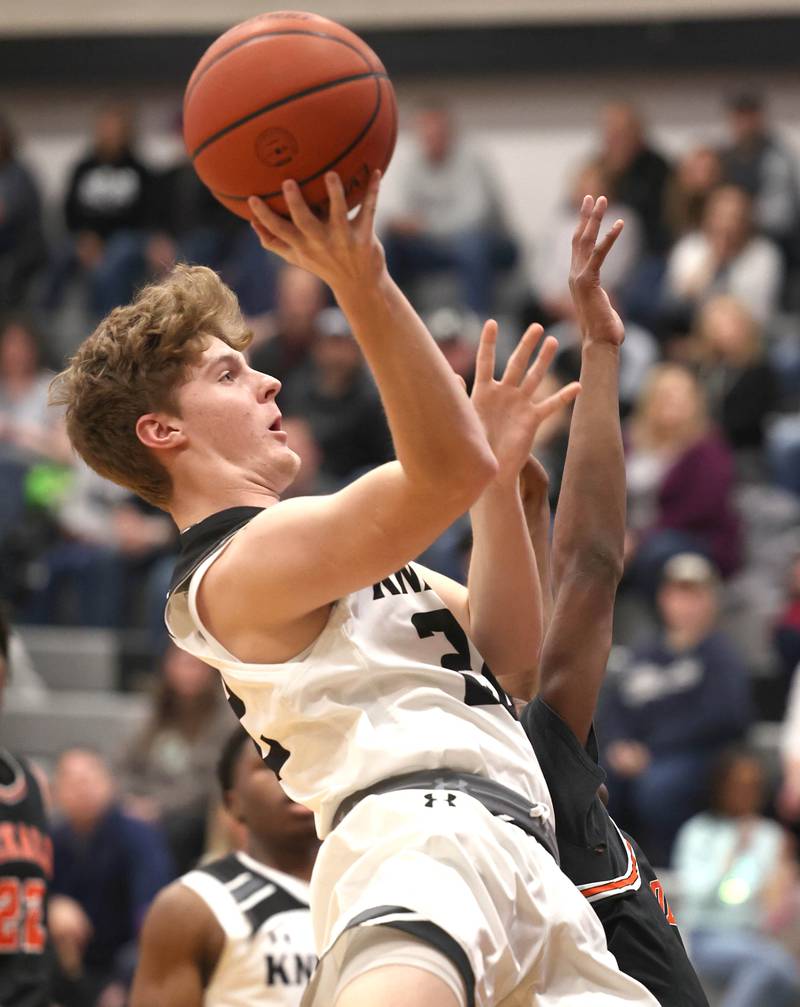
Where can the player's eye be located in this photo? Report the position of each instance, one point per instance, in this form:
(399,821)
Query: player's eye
(226,376)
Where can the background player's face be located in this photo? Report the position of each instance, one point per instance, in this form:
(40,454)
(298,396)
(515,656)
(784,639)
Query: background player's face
(258,801)
(232,421)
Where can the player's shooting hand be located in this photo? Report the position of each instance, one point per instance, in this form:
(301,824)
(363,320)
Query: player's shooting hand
(599,322)
(344,253)
(507,408)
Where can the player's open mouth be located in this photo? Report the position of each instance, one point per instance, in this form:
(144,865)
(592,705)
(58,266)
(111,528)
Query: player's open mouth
(276,426)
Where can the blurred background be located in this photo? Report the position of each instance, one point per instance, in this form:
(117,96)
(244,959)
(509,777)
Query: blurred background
(685,114)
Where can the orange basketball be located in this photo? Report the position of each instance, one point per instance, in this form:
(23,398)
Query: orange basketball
(288,95)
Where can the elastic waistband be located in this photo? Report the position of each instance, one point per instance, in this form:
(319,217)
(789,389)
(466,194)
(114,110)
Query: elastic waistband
(500,801)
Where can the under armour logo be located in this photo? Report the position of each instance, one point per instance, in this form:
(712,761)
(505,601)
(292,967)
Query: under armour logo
(449,798)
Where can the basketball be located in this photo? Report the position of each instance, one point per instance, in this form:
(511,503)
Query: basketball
(288,95)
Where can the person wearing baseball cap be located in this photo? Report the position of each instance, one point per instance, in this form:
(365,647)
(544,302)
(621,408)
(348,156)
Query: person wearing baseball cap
(681,697)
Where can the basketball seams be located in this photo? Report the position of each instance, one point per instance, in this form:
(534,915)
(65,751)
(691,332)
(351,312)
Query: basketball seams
(279,103)
(267,34)
(340,156)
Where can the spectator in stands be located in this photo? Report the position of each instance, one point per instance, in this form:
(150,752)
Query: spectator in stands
(22,247)
(639,351)
(30,432)
(168,771)
(456,333)
(108,865)
(553,262)
(740,384)
(187,223)
(449,215)
(725,256)
(334,392)
(756,161)
(666,714)
(107,544)
(698,174)
(680,480)
(738,885)
(786,643)
(107,209)
(637,172)
(283,338)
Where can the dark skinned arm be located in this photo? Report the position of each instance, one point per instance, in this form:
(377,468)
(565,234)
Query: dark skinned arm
(180,945)
(589,533)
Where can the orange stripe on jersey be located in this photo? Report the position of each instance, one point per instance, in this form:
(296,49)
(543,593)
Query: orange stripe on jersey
(625,882)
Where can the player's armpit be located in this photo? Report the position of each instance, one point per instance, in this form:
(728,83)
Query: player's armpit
(301,555)
(180,944)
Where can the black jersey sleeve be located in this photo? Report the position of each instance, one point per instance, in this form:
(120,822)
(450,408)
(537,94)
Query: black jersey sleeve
(572,774)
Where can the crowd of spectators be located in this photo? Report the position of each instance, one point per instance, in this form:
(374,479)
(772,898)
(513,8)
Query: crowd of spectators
(707,278)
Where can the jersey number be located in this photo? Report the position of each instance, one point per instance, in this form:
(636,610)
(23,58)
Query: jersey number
(477,692)
(658,890)
(21,907)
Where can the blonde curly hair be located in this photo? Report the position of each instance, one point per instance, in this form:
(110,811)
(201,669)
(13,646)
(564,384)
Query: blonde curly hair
(133,363)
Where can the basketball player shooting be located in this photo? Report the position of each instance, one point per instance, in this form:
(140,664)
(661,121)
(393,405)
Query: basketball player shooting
(363,678)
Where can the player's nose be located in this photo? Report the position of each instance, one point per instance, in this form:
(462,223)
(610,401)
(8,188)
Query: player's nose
(268,387)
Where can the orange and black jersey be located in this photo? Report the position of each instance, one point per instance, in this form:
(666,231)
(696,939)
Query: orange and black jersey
(608,867)
(26,863)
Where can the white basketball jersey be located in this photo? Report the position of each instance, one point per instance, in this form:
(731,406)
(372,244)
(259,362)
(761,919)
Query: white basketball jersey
(268,955)
(390,686)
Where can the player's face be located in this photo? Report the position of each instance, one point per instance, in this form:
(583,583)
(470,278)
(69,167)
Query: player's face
(232,420)
(259,802)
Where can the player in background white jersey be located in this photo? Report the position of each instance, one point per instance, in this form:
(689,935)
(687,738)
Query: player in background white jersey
(236,932)
(271,592)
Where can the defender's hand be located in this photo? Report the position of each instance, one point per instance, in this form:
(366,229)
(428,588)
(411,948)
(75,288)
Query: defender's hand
(344,253)
(599,322)
(507,409)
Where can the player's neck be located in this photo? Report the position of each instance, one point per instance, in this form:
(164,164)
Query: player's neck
(298,861)
(191,510)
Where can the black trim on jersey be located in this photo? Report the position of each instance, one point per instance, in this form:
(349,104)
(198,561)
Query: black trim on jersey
(223,870)
(426,931)
(198,542)
(279,900)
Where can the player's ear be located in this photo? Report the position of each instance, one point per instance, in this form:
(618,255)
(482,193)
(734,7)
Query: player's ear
(160,431)
(233,805)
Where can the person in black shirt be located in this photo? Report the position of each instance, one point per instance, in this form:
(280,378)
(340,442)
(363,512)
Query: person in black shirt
(107,209)
(605,864)
(26,865)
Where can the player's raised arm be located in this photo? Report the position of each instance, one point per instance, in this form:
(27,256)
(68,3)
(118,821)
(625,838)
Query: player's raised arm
(588,539)
(504,590)
(437,437)
(179,947)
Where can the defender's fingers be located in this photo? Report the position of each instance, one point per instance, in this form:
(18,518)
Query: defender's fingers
(540,365)
(484,359)
(337,212)
(605,246)
(271,221)
(365,218)
(302,217)
(519,359)
(268,240)
(558,400)
(586,208)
